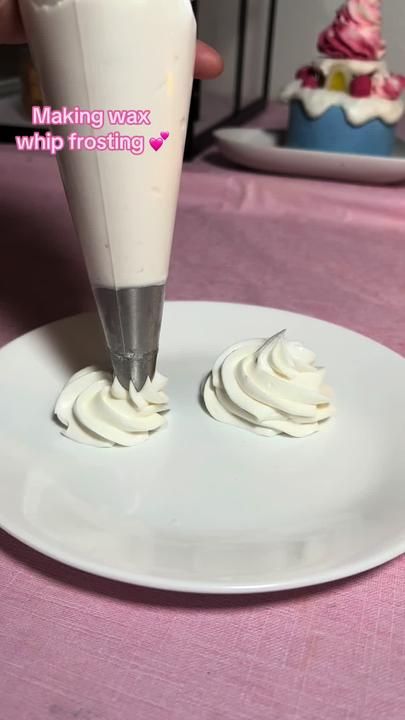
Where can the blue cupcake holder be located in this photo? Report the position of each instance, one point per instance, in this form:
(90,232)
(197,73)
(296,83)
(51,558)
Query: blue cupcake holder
(332,132)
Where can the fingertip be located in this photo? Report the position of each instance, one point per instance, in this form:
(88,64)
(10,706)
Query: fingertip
(209,63)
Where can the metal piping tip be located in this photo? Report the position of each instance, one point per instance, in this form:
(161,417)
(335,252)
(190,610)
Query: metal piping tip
(134,368)
(131,319)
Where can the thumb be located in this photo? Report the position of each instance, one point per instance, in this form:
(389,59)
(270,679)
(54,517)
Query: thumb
(11,29)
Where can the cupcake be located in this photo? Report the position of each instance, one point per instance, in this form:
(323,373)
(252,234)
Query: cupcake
(347,101)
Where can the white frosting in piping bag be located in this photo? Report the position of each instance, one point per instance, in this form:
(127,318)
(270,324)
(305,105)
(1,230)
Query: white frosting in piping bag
(358,111)
(269,387)
(96,410)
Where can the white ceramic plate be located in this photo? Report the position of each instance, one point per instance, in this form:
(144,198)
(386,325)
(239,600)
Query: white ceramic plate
(263,150)
(202,506)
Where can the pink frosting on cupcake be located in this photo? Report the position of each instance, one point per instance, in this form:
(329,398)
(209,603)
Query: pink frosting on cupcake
(355,32)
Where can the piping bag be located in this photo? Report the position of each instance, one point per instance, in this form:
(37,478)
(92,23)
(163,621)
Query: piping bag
(129,64)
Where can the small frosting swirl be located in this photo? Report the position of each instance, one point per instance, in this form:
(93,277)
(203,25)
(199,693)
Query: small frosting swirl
(97,410)
(355,32)
(269,387)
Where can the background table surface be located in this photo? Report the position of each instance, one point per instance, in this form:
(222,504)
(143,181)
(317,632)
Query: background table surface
(76,647)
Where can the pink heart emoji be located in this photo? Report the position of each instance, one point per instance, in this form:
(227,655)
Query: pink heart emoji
(164,134)
(156,143)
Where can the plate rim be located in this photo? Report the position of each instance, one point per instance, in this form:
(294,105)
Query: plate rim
(301,152)
(207,588)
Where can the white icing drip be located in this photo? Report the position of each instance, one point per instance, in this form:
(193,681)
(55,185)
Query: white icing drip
(358,111)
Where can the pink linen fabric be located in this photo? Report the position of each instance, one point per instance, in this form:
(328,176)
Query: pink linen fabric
(75,647)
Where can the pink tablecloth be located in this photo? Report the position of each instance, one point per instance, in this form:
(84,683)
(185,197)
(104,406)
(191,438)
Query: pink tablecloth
(75,647)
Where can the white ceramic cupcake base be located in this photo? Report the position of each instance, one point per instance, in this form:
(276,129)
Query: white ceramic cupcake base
(264,151)
(202,506)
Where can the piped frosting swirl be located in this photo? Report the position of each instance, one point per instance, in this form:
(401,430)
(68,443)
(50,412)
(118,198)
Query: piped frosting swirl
(269,387)
(96,410)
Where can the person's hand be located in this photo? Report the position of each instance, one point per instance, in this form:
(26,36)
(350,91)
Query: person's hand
(208,62)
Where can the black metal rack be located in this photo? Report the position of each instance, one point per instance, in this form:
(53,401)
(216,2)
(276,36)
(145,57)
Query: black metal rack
(197,142)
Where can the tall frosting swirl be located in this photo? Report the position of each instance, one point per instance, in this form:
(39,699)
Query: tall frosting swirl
(269,387)
(97,410)
(355,33)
